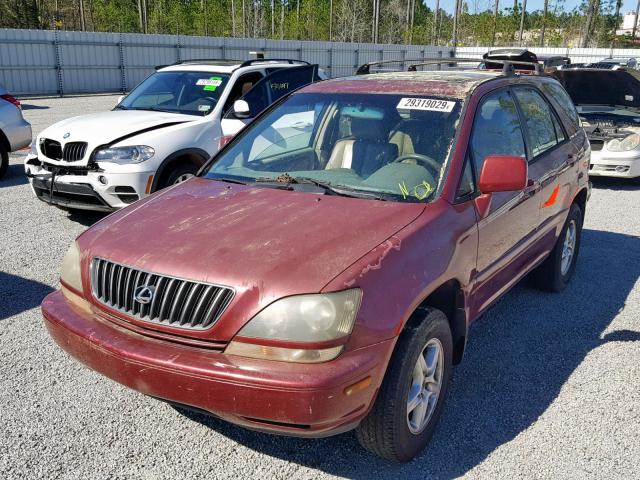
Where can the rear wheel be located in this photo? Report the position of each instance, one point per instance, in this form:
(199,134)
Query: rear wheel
(412,394)
(178,174)
(4,161)
(556,271)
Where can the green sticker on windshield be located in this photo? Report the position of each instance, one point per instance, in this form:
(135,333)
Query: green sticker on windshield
(209,84)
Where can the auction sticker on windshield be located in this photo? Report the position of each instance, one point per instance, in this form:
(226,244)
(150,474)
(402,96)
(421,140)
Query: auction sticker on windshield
(430,104)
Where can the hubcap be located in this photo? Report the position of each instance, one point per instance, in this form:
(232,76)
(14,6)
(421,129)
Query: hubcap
(568,247)
(426,383)
(183,177)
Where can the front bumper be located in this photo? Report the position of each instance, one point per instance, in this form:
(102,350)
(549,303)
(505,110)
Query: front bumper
(87,190)
(619,164)
(306,400)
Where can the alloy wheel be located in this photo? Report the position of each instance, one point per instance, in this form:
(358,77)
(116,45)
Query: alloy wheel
(426,383)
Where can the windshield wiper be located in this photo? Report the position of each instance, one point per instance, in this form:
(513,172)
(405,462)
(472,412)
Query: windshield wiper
(120,107)
(228,180)
(326,186)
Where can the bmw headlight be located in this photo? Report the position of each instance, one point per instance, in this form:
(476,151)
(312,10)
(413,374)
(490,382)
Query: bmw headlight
(123,155)
(302,328)
(630,142)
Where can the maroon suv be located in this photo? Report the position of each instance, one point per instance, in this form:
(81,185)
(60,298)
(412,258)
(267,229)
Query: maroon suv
(322,271)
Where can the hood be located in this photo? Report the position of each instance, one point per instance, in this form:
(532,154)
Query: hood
(106,127)
(263,242)
(602,87)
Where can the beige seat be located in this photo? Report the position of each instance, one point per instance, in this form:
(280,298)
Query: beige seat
(365,151)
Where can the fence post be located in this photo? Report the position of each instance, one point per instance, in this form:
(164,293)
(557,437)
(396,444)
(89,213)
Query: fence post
(178,50)
(330,50)
(58,58)
(357,52)
(123,76)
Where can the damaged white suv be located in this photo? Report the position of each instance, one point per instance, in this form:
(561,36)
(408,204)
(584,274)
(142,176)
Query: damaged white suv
(159,134)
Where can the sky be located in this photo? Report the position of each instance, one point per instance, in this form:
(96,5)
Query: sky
(627,5)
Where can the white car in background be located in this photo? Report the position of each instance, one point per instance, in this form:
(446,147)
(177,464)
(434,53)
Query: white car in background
(15,131)
(159,134)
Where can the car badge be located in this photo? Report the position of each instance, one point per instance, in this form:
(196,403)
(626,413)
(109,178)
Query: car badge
(66,135)
(144,294)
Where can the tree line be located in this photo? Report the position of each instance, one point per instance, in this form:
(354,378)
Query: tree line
(593,23)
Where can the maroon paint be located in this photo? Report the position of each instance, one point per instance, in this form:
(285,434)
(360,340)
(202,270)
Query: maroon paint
(268,244)
(503,173)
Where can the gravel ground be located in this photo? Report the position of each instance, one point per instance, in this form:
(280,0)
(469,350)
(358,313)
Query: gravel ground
(549,388)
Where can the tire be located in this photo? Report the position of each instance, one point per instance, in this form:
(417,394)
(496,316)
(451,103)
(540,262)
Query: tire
(386,430)
(177,174)
(552,275)
(4,161)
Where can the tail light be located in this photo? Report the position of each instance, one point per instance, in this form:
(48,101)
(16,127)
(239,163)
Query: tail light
(224,140)
(12,99)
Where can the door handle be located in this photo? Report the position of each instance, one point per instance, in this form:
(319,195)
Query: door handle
(532,187)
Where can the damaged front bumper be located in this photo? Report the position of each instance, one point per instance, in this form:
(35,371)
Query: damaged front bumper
(85,188)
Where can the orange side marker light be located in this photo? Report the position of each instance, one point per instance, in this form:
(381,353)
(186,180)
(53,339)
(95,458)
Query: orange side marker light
(149,181)
(552,198)
(357,387)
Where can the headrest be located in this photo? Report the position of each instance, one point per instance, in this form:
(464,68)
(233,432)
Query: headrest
(368,129)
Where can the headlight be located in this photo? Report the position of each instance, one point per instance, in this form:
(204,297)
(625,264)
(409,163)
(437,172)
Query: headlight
(70,273)
(300,319)
(628,143)
(122,155)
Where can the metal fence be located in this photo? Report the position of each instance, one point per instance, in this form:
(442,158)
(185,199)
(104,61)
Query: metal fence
(42,62)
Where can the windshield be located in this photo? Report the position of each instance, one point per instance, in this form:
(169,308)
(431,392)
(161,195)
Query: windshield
(394,146)
(192,93)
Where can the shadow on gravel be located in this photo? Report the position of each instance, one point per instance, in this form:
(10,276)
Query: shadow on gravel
(14,176)
(27,106)
(85,217)
(519,356)
(612,183)
(18,294)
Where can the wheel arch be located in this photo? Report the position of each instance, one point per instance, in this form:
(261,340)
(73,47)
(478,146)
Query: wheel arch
(194,156)
(449,298)
(581,200)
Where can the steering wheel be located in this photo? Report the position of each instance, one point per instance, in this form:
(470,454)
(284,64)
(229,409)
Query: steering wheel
(423,160)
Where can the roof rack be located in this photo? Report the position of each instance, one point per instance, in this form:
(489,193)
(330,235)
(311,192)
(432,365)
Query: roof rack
(195,61)
(507,65)
(272,60)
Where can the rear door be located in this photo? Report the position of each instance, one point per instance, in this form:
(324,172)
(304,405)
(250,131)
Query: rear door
(551,156)
(267,91)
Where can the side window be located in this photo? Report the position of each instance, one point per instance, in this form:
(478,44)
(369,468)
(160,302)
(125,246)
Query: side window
(467,185)
(538,120)
(496,129)
(243,84)
(559,133)
(562,98)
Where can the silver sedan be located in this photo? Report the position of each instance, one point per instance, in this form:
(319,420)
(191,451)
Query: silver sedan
(15,131)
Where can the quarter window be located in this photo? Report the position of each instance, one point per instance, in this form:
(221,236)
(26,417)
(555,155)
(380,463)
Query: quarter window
(538,120)
(496,129)
(562,98)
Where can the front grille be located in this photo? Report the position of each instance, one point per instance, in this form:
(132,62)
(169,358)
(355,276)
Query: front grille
(72,151)
(175,302)
(51,149)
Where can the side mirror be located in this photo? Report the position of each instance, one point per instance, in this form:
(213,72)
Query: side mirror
(503,173)
(241,109)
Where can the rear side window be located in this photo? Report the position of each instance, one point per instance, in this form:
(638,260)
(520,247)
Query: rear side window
(562,98)
(539,122)
(496,129)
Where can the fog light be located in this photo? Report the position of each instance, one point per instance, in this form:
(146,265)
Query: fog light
(103,180)
(622,168)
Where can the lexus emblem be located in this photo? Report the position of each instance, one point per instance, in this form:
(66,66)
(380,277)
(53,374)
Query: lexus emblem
(144,294)
(66,135)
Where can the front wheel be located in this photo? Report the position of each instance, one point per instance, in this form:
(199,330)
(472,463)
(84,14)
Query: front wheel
(556,271)
(410,400)
(178,174)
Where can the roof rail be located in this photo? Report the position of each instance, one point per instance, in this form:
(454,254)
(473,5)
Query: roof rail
(272,60)
(507,65)
(224,61)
